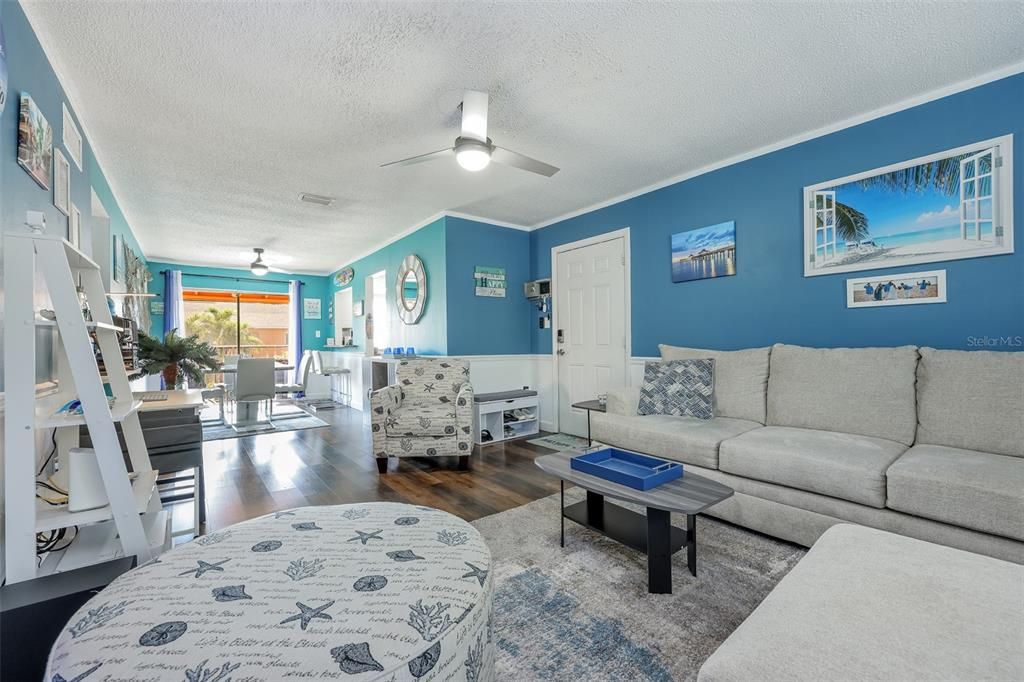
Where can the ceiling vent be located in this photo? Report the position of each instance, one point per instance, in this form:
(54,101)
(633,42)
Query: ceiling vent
(317,199)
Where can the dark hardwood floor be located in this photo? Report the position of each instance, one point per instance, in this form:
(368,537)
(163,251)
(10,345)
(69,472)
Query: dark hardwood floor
(254,475)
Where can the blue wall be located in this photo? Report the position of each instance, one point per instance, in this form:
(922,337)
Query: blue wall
(480,325)
(769,300)
(29,71)
(430,335)
(274,283)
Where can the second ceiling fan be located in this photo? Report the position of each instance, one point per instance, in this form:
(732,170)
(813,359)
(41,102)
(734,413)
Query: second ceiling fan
(473,149)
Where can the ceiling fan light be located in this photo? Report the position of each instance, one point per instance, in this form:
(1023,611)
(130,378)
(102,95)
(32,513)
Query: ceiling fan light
(473,159)
(259,268)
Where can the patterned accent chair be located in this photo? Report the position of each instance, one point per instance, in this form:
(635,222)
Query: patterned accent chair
(429,413)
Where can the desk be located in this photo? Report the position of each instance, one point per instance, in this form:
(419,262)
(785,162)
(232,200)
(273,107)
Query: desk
(174,437)
(186,399)
(174,440)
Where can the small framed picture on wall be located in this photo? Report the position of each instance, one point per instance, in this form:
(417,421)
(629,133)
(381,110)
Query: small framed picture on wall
(117,259)
(905,288)
(311,308)
(61,183)
(75,227)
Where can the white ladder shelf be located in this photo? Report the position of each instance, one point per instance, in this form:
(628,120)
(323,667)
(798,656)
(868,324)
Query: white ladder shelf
(133,503)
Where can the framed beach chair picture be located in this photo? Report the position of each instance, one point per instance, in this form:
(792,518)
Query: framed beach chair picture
(905,288)
(945,206)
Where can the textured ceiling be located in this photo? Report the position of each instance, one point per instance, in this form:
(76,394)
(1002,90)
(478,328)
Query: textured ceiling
(210,117)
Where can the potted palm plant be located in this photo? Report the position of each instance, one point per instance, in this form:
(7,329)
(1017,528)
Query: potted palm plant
(176,358)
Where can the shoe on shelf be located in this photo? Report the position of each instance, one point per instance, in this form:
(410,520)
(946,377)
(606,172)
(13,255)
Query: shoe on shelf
(485,436)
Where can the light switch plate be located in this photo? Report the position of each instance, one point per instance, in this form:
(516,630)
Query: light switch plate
(318,333)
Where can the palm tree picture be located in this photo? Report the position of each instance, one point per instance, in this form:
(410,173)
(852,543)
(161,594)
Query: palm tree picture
(945,206)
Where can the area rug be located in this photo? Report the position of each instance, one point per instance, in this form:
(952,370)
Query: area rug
(561,441)
(584,613)
(286,418)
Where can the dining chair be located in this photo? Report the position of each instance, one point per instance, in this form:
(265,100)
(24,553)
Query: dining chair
(255,384)
(305,364)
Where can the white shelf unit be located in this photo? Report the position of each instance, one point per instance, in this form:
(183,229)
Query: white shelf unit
(131,524)
(521,415)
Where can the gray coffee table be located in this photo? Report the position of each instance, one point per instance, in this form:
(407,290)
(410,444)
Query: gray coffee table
(652,534)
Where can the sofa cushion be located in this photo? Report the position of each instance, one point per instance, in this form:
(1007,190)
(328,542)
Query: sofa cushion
(681,439)
(842,465)
(679,387)
(869,605)
(623,400)
(976,490)
(741,378)
(971,399)
(867,391)
(421,418)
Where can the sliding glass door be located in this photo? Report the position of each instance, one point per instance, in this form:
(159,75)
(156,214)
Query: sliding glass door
(238,323)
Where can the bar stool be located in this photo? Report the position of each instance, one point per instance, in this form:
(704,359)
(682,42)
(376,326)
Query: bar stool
(330,372)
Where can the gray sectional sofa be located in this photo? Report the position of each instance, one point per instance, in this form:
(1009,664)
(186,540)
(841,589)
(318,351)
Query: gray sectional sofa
(922,442)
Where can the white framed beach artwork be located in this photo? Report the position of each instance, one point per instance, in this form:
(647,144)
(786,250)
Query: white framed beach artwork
(945,206)
(905,288)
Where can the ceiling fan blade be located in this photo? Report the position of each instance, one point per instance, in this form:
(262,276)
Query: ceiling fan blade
(273,269)
(474,115)
(439,154)
(523,162)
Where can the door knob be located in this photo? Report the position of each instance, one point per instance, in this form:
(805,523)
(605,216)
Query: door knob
(561,351)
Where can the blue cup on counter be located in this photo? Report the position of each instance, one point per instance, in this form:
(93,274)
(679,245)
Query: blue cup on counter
(410,351)
(387,350)
(399,350)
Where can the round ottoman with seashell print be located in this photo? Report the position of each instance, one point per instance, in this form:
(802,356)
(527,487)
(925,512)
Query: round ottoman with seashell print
(350,592)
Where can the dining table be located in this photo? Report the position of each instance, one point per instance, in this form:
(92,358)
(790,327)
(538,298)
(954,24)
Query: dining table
(247,413)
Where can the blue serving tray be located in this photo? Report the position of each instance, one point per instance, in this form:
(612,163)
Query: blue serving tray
(641,472)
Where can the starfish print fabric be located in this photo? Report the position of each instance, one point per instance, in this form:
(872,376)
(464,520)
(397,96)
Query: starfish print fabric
(368,591)
(429,413)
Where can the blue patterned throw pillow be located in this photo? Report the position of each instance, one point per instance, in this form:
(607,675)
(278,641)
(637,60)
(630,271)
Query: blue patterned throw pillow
(684,388)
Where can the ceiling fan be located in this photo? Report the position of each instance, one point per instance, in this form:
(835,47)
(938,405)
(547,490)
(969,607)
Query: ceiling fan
(258,267)
(473,149)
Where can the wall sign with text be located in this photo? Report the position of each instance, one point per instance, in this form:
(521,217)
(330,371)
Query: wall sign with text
(311,308)
(489,281)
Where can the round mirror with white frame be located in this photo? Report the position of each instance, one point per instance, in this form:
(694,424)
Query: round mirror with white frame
(411,289)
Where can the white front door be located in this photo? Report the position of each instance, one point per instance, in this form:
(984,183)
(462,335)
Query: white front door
(590,335)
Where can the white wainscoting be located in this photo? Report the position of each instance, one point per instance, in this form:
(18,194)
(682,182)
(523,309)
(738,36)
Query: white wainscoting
(636,369)
(488,373)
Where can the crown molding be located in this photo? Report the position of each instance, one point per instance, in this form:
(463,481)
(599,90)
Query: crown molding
(902,105)
(423,223)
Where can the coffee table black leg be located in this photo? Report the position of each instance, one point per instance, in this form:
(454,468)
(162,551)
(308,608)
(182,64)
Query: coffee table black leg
(691,543)
(595,509)
(659,551)
(590,440)
(561,513)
